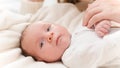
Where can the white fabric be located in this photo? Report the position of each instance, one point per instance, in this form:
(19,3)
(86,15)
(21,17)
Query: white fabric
(64,14)
(12,5)
(12,25)
(87,50)
(50,2)
(29,7)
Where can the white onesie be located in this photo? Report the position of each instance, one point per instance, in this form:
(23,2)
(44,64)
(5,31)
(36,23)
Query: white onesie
(87,50)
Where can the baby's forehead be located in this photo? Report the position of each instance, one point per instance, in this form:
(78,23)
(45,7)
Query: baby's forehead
(35,26)
(38,24)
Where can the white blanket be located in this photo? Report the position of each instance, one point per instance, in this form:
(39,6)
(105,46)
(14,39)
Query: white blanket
(12,5)
(11,26)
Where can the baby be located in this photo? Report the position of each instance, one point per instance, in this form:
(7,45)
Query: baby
(45,41)
(48,42)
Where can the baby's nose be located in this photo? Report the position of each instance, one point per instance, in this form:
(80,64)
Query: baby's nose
(50,37)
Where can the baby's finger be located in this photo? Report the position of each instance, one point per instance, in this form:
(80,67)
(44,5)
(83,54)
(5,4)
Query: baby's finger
(100,34)
(92,5)
(103,30)
(107,26)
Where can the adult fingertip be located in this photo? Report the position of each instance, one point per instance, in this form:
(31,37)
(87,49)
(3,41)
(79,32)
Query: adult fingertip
(84,24)
(89,26)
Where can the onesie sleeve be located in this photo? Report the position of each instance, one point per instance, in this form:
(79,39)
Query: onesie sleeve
(92,54)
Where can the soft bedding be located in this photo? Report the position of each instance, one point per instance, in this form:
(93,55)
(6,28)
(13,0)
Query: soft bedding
(12,25)
(12,5)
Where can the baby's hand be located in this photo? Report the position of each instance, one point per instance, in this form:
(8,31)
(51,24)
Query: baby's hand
(103,28)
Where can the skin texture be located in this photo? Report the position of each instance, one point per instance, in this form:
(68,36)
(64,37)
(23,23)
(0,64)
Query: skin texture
(45,41)
(102,10)
(103,28)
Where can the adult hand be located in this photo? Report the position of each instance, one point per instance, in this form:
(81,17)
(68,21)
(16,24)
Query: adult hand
(101,10)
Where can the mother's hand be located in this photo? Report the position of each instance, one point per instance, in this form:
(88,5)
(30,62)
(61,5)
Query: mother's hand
(100,10)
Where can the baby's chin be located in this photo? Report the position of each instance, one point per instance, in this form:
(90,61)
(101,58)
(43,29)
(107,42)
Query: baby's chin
(53,59)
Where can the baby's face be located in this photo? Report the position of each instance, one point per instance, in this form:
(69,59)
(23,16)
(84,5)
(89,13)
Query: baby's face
(46,41)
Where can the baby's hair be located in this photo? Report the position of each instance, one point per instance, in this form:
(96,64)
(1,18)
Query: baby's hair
(24,52)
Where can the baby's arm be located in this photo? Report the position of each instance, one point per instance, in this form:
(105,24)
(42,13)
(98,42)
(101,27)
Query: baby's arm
(103,28)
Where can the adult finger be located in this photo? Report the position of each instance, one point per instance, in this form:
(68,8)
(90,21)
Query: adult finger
(88,11)
(90,14)
(92,5)
(96,18)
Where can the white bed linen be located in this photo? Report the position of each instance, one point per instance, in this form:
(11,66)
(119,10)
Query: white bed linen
(12,5)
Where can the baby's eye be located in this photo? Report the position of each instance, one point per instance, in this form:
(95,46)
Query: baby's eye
(41,44)
(48,29)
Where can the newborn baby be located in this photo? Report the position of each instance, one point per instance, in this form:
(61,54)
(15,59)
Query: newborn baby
(46,41)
